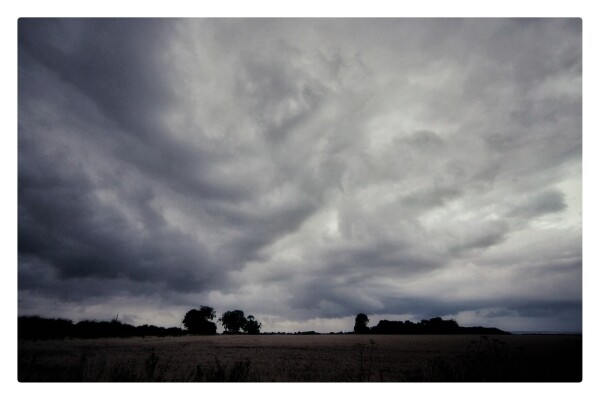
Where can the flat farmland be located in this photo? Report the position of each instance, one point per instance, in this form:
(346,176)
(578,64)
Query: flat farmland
(305,358)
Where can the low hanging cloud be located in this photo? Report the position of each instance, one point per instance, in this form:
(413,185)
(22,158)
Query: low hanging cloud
(304,170)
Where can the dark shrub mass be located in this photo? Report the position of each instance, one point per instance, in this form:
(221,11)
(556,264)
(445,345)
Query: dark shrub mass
(433,326)
(35,327)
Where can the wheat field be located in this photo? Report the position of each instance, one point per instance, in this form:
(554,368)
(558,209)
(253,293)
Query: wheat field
(305,358)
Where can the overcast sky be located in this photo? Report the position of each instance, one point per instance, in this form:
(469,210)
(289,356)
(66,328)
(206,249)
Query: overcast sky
(301,170)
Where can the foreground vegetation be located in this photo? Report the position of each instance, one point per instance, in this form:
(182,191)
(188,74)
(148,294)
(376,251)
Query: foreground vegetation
(304,358)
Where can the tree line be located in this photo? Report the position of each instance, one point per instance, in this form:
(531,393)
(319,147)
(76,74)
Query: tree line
(200,322)
(196,321)
(433,326)
(35,327)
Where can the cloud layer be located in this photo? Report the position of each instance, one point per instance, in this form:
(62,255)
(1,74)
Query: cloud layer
(302,170)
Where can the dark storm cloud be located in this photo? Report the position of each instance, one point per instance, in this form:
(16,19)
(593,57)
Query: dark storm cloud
(301,168)
(547,202)
(120,66)
(62,223)
(116,62)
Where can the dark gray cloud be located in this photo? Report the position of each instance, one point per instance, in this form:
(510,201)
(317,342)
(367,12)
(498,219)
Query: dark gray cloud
(303,170)
(115,62)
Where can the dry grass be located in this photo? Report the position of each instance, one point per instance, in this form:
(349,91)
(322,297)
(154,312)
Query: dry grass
(318,358)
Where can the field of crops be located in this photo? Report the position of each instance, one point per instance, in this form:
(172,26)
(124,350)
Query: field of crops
(305,358)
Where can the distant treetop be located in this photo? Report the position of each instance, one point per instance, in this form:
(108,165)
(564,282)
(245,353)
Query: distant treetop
(360,325)
(435,325)
(198,321)
(234,321)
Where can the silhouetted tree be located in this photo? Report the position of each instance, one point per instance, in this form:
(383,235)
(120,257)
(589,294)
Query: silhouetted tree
(198,321)
(233,321)
(360,324)
(252,326)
